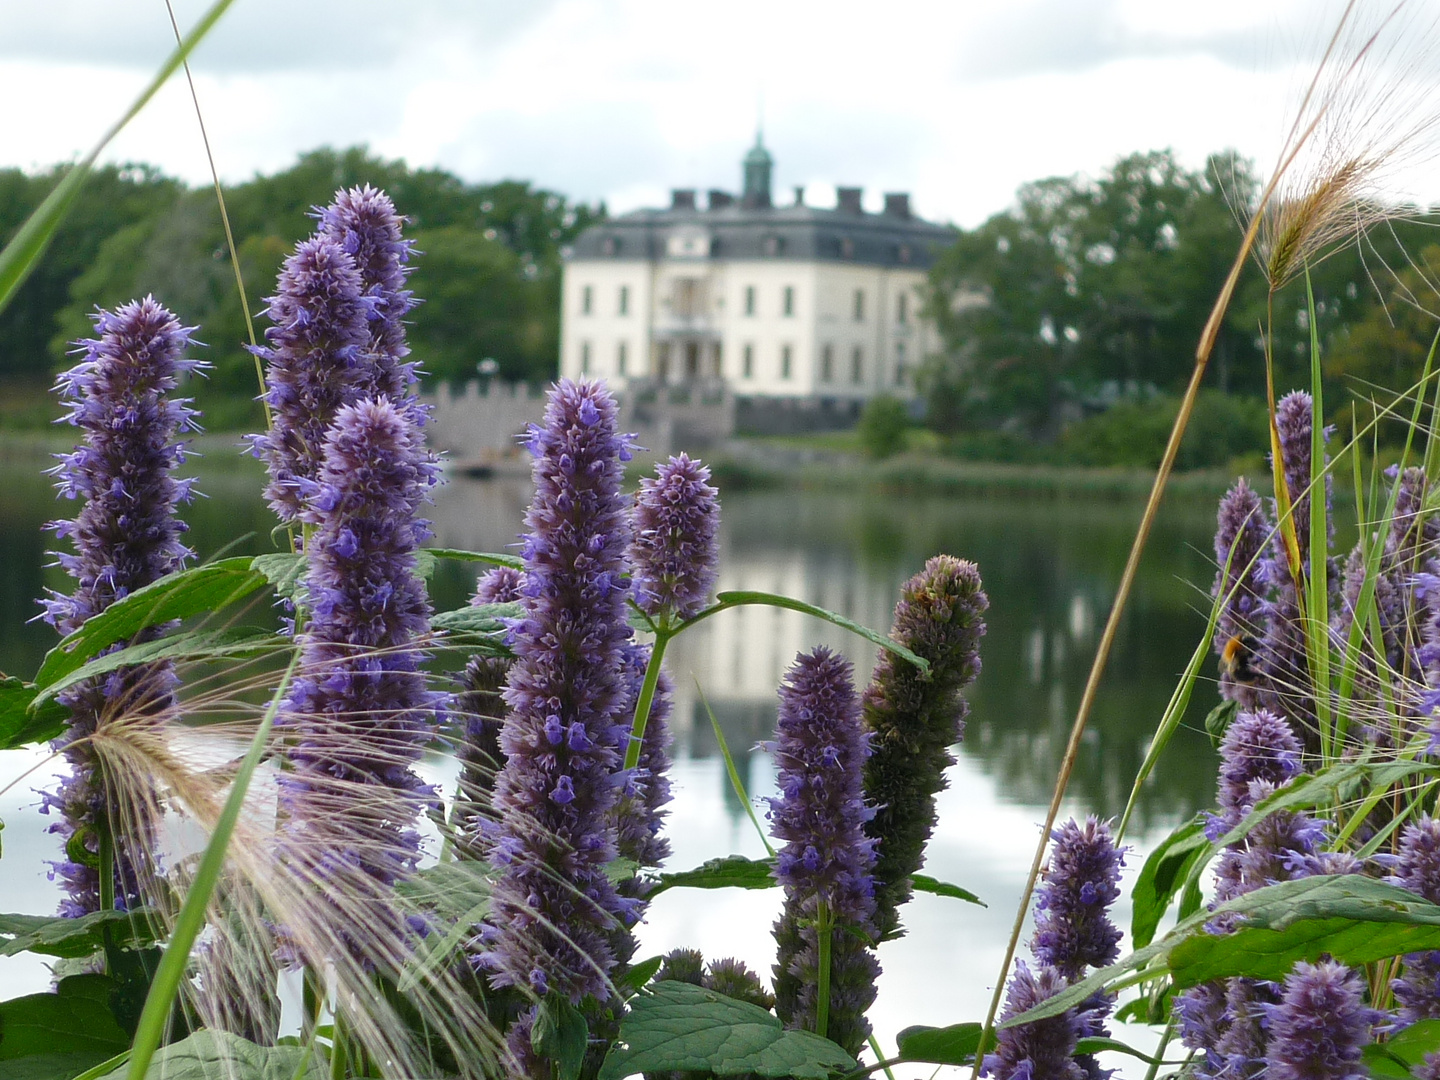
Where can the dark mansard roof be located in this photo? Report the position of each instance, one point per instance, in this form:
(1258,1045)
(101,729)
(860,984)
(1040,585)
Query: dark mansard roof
(750,228)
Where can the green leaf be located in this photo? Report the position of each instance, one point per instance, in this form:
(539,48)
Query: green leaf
(76,1019)
(18,725)
(492,558)
(56,1066)
(488,619)
(637,975)
(731,872)
(284,571)
(1218,721)
(448,890)
(560,1034)
(1383,1065)
(953,1045)
(726,600)
(677,1027)
(1167,868)
(207,1055)
(1352,918)
(1096,1044)
(927,884)
(197,591)
(242,641)
(55,936)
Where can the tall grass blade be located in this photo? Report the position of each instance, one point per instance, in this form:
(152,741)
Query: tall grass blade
(29,243)
(173,965)
(735,782)
(1317,611)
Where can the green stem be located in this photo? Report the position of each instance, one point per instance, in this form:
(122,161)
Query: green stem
(190,921)
(822,978)
(647,696)
(880,1060)
(337,1048)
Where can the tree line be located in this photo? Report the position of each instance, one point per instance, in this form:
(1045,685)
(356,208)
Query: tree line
(489,275)
(1087,293)
(1091,292)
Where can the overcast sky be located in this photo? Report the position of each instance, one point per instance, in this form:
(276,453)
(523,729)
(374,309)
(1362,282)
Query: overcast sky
(956,101)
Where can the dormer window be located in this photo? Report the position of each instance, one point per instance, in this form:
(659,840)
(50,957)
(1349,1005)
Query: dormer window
(772,245)
(903,253)
(847,248)
(610,246)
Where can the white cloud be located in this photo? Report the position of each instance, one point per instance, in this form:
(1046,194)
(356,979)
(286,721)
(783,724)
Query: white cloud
(621,99)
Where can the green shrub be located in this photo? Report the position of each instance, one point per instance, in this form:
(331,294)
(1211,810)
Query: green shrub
(1133,433)
(883,425)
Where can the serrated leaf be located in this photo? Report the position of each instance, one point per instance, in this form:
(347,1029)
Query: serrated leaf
(52,935)
(284,572)
(730,872)
(76,1018)
(927,884)
(448,890)
(209,1054)
(490,619)
(1383,1065)
(19,726)
(726,600)
(953,1045)
(677,1027)
(493,558)
(1162,876)
(233,641)
(196,591)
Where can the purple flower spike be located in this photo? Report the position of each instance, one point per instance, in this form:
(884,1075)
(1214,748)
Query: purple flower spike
(673,553)
(553,909)
(126,535)
(1073,930)
(1258,746)
(1417,990)
(359,707)
(1294,420)
(914,718)
(1240,536)
(364,223)
(1320,1026)
(316,362)
(820,814)
(1043,1050)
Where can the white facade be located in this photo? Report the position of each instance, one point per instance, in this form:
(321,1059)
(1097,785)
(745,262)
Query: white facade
(770,327)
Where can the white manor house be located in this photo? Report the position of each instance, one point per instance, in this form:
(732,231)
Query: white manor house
(818,306)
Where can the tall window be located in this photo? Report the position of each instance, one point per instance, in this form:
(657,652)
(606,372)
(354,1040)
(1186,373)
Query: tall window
(585,358)
(827,363)
(587,299)
(620,357)
(747,362)
(902,308)
(859,305)
(749,299)
(900,369)
(785,364)
(857,366)
(625,300)
(788,306)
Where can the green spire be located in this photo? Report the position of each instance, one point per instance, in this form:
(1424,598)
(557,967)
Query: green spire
(757,165)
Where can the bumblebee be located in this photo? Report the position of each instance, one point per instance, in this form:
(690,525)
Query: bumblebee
(1237,660)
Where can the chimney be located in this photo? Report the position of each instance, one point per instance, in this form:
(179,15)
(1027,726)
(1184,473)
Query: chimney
(897,204)
(720,199)
(799,194)
(682,199)
(848,200)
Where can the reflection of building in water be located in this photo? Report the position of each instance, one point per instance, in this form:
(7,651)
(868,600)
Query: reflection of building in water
(739,656)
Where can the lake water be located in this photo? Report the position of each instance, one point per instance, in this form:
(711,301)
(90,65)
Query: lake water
(1050,569)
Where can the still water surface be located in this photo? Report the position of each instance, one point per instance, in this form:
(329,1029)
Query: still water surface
(1050,570)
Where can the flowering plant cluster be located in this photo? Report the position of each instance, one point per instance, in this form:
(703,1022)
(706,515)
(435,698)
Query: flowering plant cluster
(514,948)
